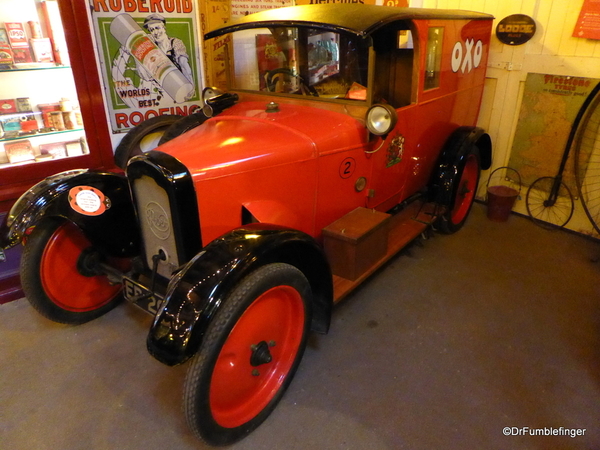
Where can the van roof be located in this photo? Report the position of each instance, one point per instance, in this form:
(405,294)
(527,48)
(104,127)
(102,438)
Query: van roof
(361,20)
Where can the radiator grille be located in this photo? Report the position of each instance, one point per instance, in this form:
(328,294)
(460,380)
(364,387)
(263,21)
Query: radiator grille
(156,222)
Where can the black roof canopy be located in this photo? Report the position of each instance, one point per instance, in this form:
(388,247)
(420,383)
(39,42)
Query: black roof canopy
(358,19)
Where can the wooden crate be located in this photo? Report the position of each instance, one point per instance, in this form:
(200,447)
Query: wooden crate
(356,242)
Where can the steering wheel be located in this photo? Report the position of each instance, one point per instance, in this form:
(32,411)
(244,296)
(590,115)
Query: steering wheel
(305,88)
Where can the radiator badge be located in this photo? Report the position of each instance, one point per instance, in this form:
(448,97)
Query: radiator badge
(88,200)
(158,220)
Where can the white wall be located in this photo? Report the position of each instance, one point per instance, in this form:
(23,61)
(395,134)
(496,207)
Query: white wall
(552,50)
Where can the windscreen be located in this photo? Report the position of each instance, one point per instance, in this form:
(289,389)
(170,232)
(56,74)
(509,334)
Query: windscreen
(302,61)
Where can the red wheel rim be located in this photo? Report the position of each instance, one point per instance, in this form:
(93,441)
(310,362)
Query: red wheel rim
(61,281)
(466,190)
(239,391)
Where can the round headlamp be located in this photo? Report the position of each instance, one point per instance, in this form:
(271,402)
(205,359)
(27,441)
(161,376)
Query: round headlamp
(381,119)
(210,92)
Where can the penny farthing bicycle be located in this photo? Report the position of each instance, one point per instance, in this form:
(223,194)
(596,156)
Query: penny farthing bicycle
(549,201)
(587,158)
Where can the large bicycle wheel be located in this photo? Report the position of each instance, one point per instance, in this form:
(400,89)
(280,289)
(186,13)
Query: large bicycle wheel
(542,210)
(587,157)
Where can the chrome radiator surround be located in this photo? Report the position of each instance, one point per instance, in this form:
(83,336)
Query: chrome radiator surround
(166,208)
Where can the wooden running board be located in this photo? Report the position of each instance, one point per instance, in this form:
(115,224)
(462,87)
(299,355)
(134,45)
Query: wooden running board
(404,227)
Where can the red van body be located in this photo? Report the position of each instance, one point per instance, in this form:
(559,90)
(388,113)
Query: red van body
(347,131)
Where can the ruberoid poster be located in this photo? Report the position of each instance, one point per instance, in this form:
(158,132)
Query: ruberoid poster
(149,58)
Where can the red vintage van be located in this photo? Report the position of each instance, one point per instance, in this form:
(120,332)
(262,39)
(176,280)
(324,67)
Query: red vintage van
(346,132)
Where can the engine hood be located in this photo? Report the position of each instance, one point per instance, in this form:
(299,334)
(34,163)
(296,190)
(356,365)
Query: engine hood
(246,137)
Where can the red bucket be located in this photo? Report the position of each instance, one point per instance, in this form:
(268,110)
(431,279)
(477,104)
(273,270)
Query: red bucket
(501,199)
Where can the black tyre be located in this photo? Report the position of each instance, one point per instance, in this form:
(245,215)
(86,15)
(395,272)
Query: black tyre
(249,355)
(142,138)
(463,195)
(548,213)
(51,280)
(183,125)
(587,157)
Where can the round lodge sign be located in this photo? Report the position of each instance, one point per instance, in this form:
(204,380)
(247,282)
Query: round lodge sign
(516,29)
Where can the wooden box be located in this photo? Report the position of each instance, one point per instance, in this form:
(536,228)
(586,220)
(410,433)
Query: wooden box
(356,241)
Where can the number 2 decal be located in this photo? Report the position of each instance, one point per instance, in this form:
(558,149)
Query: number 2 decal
(347,167)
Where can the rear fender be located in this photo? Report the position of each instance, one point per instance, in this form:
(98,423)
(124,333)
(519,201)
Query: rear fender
(461,143)
(109,222)
(200,288)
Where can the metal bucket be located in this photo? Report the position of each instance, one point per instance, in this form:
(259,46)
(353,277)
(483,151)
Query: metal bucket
(501,199)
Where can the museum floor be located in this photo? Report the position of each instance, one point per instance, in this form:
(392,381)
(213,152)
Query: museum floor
(496,326)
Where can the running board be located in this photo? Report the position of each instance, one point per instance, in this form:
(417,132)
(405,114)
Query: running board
(372,236)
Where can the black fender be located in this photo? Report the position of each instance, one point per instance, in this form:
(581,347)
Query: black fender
(114,230)
(462,142)
(199,289)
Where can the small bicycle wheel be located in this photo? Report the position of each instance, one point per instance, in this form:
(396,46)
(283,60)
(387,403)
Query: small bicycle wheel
(546,213)
(587,158)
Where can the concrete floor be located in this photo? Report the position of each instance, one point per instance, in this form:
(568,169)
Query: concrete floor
(496,326)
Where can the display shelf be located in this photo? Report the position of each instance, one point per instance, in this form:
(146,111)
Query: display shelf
(34,135)
(29,69)
(23,163)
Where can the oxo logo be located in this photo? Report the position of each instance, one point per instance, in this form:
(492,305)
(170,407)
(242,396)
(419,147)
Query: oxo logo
(466,56)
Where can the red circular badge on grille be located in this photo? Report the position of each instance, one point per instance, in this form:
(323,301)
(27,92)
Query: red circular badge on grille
(88,200)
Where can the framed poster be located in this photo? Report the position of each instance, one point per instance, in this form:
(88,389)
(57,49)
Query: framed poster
(149,59)
(549,107)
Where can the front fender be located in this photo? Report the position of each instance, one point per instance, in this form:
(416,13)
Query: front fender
(199,290)
(112,227)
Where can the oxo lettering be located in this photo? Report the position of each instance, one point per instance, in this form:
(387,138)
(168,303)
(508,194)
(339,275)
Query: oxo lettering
(466,57)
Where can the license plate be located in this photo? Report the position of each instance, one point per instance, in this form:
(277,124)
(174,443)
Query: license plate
(141,296)
(133,291)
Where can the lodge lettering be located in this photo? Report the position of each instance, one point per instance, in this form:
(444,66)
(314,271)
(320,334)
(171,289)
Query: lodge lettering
(144,6)
(516,28)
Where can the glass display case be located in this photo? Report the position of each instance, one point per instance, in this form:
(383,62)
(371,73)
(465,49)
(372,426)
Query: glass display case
(40,118)
(52,115)
(40,124)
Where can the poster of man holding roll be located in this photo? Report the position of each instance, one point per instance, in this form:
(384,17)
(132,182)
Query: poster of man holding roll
(151,64)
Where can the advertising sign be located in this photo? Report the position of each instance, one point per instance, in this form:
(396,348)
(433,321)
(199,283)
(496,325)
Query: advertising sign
(588,22)
(148,57)
(549,107)
(516,29)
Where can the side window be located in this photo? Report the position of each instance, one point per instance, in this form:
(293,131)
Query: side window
(434,57)
(394,67)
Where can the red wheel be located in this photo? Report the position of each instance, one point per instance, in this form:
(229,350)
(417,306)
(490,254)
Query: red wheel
(249,355)
(464,195)
(51,279)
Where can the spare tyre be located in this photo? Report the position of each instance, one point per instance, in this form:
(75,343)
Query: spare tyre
(142,138)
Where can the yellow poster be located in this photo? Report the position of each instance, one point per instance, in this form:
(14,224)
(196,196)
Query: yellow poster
(215,14)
